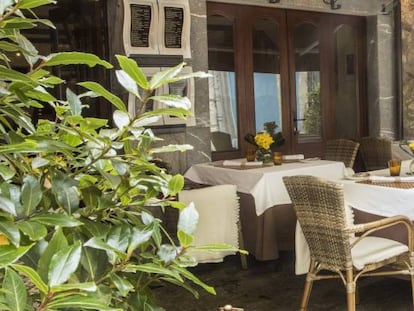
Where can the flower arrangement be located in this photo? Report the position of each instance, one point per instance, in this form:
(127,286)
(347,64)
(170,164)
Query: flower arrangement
(263,140)
(268,139)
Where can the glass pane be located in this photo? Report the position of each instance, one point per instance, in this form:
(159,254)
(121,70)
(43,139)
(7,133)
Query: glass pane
(222,84)
(266,62)
(346,96)
(307,64)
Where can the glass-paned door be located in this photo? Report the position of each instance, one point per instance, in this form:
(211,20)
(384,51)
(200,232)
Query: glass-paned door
(266,75)
(307,82)
(302,70)
(222,84)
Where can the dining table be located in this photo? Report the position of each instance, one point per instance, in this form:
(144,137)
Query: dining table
(370,196)
(267,218)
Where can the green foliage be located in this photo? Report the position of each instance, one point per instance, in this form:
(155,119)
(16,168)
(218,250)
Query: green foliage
(312,123)
(75,193)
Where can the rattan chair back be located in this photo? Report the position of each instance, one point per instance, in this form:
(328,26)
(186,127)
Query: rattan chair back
(375,152)
(329,231)
(341,149)
(319,207)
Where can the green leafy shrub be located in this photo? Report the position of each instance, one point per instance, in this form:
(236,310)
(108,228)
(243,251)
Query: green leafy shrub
(75,193)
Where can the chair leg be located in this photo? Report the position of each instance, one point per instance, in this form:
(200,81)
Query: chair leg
(243,257)
(308,286)
(412,288)
(350,290)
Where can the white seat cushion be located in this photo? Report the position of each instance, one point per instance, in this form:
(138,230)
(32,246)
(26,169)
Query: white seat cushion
(375,249)
(218,208)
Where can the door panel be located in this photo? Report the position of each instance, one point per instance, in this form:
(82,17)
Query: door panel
(303,70)
(222,84)
(269,69)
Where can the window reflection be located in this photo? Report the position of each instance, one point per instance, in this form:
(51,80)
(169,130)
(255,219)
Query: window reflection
(307,64)
(266,62)
(222,84)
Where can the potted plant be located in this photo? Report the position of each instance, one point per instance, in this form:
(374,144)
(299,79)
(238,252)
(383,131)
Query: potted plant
(76,229)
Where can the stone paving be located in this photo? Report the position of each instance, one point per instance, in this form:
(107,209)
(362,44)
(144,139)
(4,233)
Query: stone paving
(273,286)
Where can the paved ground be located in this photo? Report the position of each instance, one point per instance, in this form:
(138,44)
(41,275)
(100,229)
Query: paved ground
(273,286)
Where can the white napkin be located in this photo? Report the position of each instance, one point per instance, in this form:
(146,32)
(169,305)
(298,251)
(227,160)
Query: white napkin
(380,179)
(290,157)
(254,163)
(232,163)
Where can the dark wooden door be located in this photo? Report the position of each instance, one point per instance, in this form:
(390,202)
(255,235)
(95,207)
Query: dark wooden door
(291,67)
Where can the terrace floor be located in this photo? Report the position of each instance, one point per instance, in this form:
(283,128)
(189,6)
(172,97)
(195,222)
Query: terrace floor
(273,286)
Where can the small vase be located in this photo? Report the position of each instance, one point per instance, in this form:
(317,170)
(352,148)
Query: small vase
(264,155)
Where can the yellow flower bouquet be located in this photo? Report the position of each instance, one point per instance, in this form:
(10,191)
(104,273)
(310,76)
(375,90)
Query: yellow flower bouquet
(265,141)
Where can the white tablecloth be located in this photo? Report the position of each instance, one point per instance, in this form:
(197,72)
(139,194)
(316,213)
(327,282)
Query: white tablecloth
(265,184)
(373,199)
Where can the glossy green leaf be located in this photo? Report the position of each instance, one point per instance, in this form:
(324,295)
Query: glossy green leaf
(93,261)
(101,91)
(74,103)
(7,172)
(19,23)
(156,269)
(40,94)
(63,264)
(7,46)
(12,232)
(74,58)
(35,231)
(16,294)
(9,254)
(176,112)
(30,4)
(80,302)
(131,67)
(68,198)
(29,51)
(127,82)
(176,184)
(31,194)
(87,287)
(173,101)
(7,205)
(165,76)
(185,239)
(57,219)
(190,276)
(121,119)
(188,219)
(168,253)
(99,244)
(27,146)
(123,285)
(57,242)
(138,237)
(7,74)
(172,148)
(118,237)
(33,276)
(147,218)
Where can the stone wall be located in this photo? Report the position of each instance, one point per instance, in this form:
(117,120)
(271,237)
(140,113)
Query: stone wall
(407,25)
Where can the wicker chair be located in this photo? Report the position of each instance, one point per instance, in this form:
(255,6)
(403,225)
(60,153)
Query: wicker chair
(375,152)
(329,232)
(344,150)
